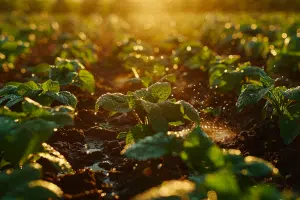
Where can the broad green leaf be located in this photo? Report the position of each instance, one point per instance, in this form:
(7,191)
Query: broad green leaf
(171,111)
(37,189)
(251,95)
(6,124)
(253,71)
(151,147)
(168,189)
(25,184)
(12,100)
(10,181)
(61,115)
(160,91)
(196,151)
(137,132)
(64,97)
(263,192)
(72,65)
(26,139)
(293,94)
(224,184)
(50,86)
(56,159)
(86,81)
(155,116)
(256,167)
(147,80)
(289,129)
(190,112)
(28,89)
(267,81)
(9,89)
(14,115)
(115,102)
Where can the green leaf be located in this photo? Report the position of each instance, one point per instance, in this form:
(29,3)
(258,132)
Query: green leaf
(56,159)
(6,124)
(256,167)
(251,95)
(26,139)
(190,112)
(115,102)
(289,129)
(61,115)
(50,86)
(169,189)
(263,192)
(171,111)
(160,91)
(12,100)
(267,81)
(86,81)
(25,184)
(64,97)
(196,151)
(28,89)
(151,147)
(224,184)
(38,189)
(147,80)
(155,116)
(9,181)
(9,89)
(137,132)
(293,94)
(14,115)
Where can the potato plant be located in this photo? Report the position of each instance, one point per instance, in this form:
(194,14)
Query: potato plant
(283,102)
(44,93)
(223,173)
(152,107)
(22,144)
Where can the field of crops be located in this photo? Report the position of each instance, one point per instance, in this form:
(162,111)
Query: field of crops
(148,106)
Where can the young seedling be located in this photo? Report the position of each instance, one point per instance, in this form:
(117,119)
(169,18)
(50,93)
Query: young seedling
(22,133)
(152,108)
(284,103)
(44,93)
(67,72)
(212,168)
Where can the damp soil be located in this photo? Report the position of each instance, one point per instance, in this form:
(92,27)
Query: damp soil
(100,170)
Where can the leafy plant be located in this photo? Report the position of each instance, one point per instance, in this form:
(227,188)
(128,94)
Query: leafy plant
(44,93)
(152,108)
(225,75)
(193,55)
(26,183)
(26,131)
(22,137)
(10,50)
(68,72)
(72,72)
(81,49)
(283,102)
(225,174)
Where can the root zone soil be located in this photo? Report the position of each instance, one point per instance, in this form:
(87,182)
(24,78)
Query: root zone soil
(101,172)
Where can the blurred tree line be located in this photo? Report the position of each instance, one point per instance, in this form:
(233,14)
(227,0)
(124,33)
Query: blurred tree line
(122,6)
